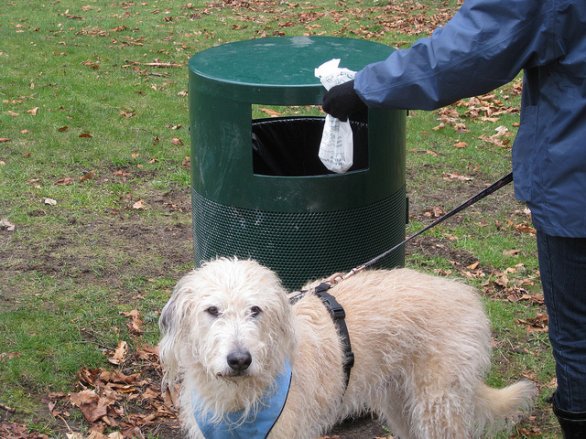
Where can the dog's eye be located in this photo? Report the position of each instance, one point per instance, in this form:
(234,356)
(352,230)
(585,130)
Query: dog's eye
(213,311)
(255,311)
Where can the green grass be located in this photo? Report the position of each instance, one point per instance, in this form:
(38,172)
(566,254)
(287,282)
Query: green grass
(77,99)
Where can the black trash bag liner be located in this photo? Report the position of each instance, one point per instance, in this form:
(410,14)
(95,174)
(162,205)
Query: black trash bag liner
(289,146)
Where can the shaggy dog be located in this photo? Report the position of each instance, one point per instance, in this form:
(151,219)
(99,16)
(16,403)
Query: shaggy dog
(421,346)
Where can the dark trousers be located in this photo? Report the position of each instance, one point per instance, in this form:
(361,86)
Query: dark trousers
(562,263)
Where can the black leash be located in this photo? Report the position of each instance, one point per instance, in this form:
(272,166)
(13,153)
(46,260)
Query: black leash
(479,196)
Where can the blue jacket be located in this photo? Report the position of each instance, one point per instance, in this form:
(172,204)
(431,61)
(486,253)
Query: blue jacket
(485,45)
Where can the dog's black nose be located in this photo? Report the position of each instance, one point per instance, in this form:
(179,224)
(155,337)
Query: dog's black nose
(239,360)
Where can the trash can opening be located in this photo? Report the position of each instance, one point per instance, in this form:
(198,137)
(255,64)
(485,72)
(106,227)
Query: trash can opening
(289,146)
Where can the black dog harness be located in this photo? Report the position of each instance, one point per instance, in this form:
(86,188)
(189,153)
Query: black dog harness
(338,316)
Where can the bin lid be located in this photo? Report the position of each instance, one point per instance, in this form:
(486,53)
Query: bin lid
(279,70)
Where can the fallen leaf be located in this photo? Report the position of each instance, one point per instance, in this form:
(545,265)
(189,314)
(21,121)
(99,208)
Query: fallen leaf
(6,226)
(454,176)
(537,324)
(502,131)
(89,175)
(50,202)
(94,65)
(135,324)
(122,173)
(92,406)
(4,139)
(148,353)
(85,135)
(65,181)
(525,228)
(13,430)
(127,114)
(473,266)
(177,141)
(271,113)
(140,204)
(495,140)
(118,377)
(5,356)
(119,356)
(33,111)
(502,280)
(63,129)
(460,145)
(434,212)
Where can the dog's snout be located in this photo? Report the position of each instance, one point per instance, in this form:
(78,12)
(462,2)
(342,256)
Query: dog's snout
(239,360)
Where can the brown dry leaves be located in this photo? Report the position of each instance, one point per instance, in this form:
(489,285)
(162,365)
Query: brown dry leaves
(122,402)
(511,285)
(126,401)
(486,108)
(18,431)
(407,17)
(135,323)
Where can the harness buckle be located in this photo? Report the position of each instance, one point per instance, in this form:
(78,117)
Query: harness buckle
(337,312)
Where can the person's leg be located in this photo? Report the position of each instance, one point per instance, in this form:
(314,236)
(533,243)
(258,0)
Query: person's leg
(562,263)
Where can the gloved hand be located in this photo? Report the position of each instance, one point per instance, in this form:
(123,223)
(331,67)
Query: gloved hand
(341,101)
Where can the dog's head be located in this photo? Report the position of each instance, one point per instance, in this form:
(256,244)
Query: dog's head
(229,319)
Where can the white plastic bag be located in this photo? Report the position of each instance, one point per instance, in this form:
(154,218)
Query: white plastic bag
(336,149)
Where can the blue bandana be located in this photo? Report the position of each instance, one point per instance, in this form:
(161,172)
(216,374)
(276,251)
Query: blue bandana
(258,425)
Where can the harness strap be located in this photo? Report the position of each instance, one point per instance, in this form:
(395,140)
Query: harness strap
(338,316)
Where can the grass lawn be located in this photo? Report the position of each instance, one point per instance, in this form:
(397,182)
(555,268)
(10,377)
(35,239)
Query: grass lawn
(95,178)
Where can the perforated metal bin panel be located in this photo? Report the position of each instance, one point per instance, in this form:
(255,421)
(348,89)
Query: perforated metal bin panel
(305,245)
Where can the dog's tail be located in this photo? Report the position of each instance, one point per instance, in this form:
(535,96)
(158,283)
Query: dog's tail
(499,409)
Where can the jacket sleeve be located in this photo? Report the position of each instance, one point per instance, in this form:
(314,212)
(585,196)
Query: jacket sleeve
(485,45)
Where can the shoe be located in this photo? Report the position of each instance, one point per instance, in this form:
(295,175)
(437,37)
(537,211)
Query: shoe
(573,424)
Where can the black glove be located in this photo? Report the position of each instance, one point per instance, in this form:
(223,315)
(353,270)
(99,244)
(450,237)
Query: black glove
(341,101)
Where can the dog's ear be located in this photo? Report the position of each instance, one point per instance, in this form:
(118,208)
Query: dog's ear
(168,327)
(171,329)
(167,316)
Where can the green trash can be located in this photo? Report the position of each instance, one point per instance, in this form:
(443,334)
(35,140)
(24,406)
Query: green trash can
(259,190)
